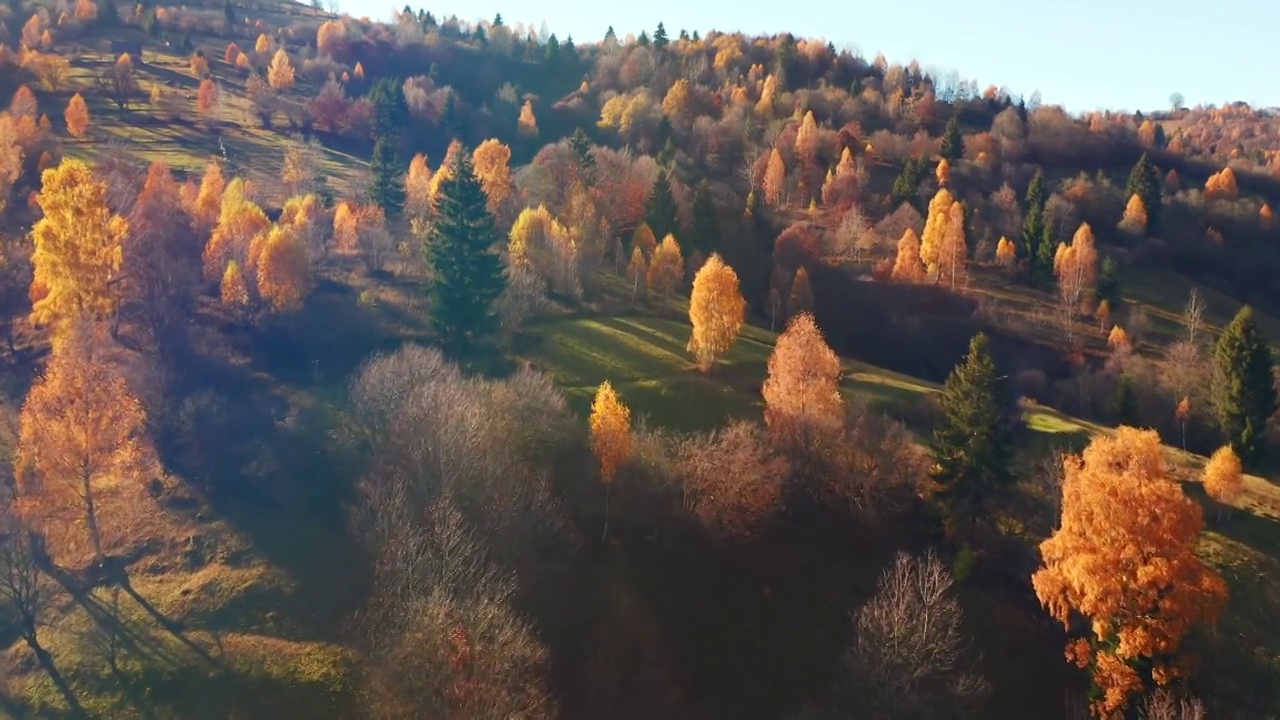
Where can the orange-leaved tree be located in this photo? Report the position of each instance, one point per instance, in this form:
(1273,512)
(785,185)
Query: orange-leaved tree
(953,254)
(78,249)
(1134,220)
(161,260)
(491,160)
(11,157)
(77,116)
(666,269)
(284,272)
(801,297)
(775,179)
(417,187)
(935,229)
(610,438)
(1006,252)
(208,201)
(1224,476)
(637,271)
(802,393)
(1125,559)
(239,221)
(82,440)
(280,72)
(716,311)
(233,290)
(527,123)
(643,240)
(908,267)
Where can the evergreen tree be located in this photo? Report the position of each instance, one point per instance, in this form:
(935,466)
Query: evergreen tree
(660,37)
(1144,181)
(1033,221)
(388,178)
(660,213)
(497,20)
(952,142)
(466,269)
(391,113)
(705,233)
(581,145)
(1126,402)
(643,40)
(695,36)
(1247,395)
(1109,283)
(907,185)
(610,35)
(1162,140)
(782,58)
(552,58)
(1042,268)
(973,446)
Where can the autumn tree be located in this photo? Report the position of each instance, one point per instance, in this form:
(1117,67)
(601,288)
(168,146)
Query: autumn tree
(644,239)
(1224,476)
(527,124)
(78,247)
(417,187)
(908,267)
(610,438)
(1077,271)
(1222,185)
(1246,392)
(77,117)
(542,244)
(716,311)
(82,440)
(1266,217)
(1125,559)
(935,230)
(331,37)
(666,268)
(802,392)
(467,274)
(637,271)
(240,220)
(943,173)
(801,296)
(1006,253)
(1134,221)
(953,253)
(807,139)
(208,202)
(233,290)
(775,179)
(972,446)
(11,157)
(161,257)
(492,161)
(119,81)
(283,270)
(1118,340)
(207,97)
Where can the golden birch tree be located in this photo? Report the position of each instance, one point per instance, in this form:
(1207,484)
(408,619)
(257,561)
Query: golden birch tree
(802,391)
(610,438)
(716,311)
(907,266)
(77,117)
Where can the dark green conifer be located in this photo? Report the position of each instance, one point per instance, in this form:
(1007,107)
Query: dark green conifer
(952,143)
(1145,182)
(705,233)
(661,213)
(1247,393)
(660,37)
(388,178)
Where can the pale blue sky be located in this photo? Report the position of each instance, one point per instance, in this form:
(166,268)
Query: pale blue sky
(1084,54)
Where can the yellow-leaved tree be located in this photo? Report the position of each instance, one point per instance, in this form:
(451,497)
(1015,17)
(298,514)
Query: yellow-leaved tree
(802,392)
(78,250)
(666,269)
(417,187)
(77,117)
(527,124)
(907,266)
(637,271)
(610,438)
(234,291)
(644,240)
(1224,476)
(943,173)
(280,72)
(716,311)
(1134,220)
(208,202)
(775,179)
(284,272)
(1125,559)
(935,229)
(1006,252)
(953,254)
(491,161)
(239,221)
(83,453)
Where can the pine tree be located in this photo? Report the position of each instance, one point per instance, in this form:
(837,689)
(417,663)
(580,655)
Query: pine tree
(388,178)
(906,187)
(1109,283)
(1144,182)
(705,233)
(660,37)
(952,143)
(1247,394)
(660,213)
(972,447)
(581,145)
(466,269)
(390,111)
(1033,220)
(1126,401)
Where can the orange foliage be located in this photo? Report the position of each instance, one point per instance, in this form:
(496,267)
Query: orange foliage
(207,96)
(1135,216)
(208,202)
(527,124)
(280,72)
(491,161)
(1222,185)
(953,254)
(801,298)
(935,228)
(1006,252)
(807,139)
(1124,558)
(908,267)
(716,311)
(1224,476)
(943,172)
(82,443)
(666,269)
(610,431)
(330,37)
(240,220)
(1266,217)
(234,292)
(775,179)
(644,240)
(77,116)
(417,186)
(802,391)
(284,272)
(1118,340)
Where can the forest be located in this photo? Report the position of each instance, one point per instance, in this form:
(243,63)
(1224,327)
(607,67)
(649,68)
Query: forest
(444,368)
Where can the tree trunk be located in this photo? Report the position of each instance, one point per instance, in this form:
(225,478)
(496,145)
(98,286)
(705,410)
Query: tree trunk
(605,536)
(91,519)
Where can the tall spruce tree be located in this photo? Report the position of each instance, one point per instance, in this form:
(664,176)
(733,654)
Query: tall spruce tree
(387,189)
(1145,183)
(660,37)
(907,185)
(973,446)
(1033,221)
(390,112)
(581,145)
(952,144)
(705,233)
(660,212)
(461,250)
(1247,394)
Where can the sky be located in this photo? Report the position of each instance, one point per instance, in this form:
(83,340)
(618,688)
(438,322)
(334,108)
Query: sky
(1082,54)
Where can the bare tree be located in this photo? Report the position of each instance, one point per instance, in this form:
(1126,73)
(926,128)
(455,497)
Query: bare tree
(907,659)
(1164,705)
(1193,314)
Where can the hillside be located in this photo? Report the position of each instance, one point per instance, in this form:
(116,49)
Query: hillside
(302,487)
